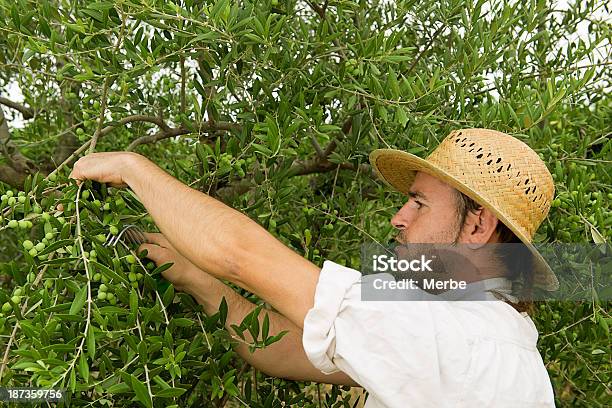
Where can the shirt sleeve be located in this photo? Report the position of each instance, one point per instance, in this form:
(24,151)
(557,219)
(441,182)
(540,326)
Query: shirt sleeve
(319,331)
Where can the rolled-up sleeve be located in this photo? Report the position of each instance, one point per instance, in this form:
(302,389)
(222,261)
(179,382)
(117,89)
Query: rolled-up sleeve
(319,332)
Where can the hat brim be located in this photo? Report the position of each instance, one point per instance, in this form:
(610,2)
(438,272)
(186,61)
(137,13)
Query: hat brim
(405,166)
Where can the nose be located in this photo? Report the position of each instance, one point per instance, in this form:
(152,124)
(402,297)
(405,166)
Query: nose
(401,219)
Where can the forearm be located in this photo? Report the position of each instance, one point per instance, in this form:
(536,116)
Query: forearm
(225,242)
(285,358)
(201,228)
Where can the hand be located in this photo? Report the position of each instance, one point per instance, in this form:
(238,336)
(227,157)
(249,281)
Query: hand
(110,168)
(183,273)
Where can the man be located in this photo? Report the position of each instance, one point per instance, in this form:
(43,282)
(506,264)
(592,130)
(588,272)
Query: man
(405,354)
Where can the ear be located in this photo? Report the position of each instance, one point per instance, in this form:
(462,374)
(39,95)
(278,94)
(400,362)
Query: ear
(480,227)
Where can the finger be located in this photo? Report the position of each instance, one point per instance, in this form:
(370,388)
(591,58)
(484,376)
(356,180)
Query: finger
(157,238)
(155,252)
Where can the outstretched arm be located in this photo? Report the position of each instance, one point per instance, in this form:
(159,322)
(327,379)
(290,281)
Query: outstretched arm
(213,236)
(285,358)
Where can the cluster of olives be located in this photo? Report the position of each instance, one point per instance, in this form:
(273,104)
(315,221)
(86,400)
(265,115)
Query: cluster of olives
(226,164)
(353,67)
(310,211)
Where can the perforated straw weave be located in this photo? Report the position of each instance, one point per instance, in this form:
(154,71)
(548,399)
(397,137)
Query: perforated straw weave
(496,170)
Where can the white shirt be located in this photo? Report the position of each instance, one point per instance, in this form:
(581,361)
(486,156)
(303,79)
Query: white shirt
(425,353)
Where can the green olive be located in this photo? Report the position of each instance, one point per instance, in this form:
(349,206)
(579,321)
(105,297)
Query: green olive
(96,277)
(13,224)
(109,296)
(130,259)
(6,307)
(103,288)
(40,246)
(101,295)
(49,236)
(132,277)
(27,245)
(114,230)
(16,299)
(21,199)
(11,201)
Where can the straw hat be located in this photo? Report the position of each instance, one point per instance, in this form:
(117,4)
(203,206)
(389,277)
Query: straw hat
(494,169)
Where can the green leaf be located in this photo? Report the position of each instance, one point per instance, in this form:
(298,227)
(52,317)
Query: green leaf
(134,301)
(142,394)
(168,296)
(400,116)
(170,392)
(83,367)
(91,343)
(79,301)
(265,327)
(120,388)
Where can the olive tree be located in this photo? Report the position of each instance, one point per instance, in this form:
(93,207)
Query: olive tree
(272,107)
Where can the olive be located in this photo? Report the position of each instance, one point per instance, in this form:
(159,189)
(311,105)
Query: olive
(13,224)
(40,246)
(101,295)
(6,307)
(103,288)
(130,259)
(27,245)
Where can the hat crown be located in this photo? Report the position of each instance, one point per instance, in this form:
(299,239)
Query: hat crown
(503,170)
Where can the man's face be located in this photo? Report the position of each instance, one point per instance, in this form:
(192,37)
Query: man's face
(429,215)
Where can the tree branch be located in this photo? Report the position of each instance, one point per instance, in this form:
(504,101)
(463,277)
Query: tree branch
(427,46)
(166,132)
(18,166)
(27,113)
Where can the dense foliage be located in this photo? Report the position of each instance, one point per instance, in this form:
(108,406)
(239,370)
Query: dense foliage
(273,107)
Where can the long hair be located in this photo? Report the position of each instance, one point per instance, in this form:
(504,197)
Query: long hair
(517,265)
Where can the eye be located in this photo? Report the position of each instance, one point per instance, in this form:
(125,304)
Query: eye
(418,203)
